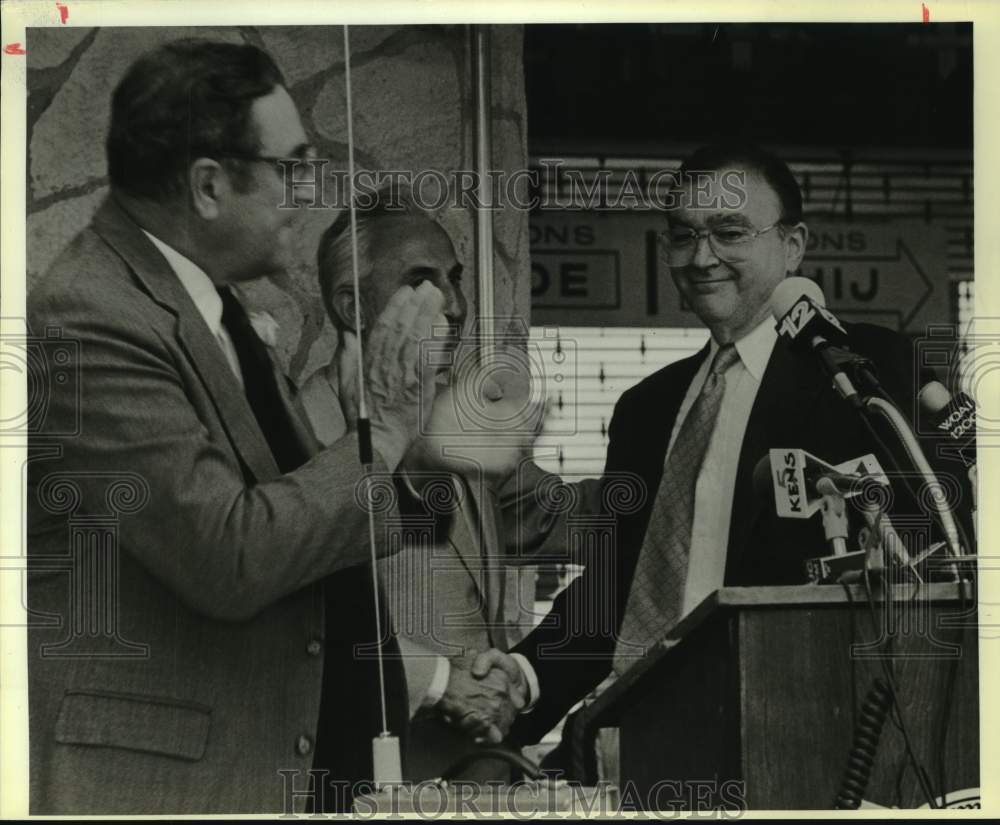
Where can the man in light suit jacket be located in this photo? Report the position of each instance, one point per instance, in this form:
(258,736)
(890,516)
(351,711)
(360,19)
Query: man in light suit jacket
(445,589)
(198,585)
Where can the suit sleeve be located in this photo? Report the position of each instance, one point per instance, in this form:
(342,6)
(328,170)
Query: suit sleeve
(538,508)
(571,650)
(226,548)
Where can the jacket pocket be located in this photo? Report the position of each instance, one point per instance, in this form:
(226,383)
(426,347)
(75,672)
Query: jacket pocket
(137,722)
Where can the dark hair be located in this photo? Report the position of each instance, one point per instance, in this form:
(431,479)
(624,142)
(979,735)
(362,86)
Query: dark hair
(751,158)
(186,99)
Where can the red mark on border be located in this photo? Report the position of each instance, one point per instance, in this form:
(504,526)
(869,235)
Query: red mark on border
(63,12)
(14,48)
(926,12)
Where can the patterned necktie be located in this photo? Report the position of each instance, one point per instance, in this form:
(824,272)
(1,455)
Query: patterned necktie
(657,592)
(260,385)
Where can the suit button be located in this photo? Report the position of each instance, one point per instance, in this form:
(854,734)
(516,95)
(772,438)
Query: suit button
(314,647)
(303,746)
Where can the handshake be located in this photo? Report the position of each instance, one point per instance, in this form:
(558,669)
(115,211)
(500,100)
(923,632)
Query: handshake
(485,693)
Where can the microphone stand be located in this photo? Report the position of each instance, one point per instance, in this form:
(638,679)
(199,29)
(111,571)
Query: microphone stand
(840,565)
(891,414)
(837,362)
(834,512)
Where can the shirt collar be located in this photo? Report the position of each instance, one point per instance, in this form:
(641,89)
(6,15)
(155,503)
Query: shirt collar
(754,348)
(198,285)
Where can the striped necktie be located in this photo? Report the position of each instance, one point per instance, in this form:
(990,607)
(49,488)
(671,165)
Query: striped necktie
(657,592)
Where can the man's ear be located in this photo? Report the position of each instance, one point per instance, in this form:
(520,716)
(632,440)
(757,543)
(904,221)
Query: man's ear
(796,239)
(343,307)
(208,184)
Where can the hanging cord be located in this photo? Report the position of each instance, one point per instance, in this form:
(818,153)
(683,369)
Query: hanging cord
(364,424)
(512,758)
(867,732)
(890,680)
(951,680)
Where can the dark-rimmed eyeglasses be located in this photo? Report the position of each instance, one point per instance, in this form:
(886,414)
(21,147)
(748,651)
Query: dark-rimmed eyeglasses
(292,169)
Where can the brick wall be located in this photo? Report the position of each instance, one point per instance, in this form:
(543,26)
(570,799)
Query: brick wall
(413,110)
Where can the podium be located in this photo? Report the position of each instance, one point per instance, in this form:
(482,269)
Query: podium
(754,697)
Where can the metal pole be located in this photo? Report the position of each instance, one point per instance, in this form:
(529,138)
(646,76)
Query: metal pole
(484,189)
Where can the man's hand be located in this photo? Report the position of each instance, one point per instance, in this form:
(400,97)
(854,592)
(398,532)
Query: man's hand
(400,390)
(484,695)
(485,422)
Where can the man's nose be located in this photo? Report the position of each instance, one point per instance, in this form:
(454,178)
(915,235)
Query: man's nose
(704,255)
(454,307)
(305,182)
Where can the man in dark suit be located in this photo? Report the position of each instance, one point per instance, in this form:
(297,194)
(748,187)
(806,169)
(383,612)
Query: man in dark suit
(198,579)
(687,439)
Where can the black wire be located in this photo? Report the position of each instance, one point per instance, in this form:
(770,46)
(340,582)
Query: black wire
(885,661)
(923,778)
(949,694)
(513,758)
(854,663)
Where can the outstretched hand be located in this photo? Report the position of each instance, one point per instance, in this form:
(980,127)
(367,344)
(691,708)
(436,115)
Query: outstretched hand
(484,423)
(484,695)
(399,387)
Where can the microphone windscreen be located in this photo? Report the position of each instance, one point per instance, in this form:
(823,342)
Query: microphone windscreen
(762,486)
(934,397)
(790,290)
(950,416)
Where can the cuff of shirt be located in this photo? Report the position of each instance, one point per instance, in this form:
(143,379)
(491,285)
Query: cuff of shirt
(534,691)
(439,684)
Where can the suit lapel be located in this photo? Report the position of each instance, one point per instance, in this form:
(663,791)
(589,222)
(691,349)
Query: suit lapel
(204,352)
(651,450)
(789,391)
(496,574)
(474,538)
(464,534)
(294,410)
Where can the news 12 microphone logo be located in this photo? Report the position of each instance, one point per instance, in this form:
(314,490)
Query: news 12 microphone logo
(804,314)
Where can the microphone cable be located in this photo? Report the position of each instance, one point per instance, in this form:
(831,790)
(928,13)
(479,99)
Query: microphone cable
(951,680)
(899,720)
(867,732)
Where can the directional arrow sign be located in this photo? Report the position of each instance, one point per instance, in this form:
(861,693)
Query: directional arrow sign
(606,269)
(894,274)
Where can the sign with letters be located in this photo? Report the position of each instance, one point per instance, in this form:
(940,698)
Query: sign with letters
(606,269)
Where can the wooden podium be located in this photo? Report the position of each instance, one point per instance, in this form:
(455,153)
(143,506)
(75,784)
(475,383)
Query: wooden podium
(762,686)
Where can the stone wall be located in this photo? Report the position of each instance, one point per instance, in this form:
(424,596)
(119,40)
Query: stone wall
(413,110)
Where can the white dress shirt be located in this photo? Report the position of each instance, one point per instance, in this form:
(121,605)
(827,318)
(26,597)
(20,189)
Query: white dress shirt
(205,297)
(716,482)
(714,489)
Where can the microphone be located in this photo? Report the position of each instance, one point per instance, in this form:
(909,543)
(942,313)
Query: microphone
(955,417)
(805,324)
(803,485)
(800,491)
(795,477)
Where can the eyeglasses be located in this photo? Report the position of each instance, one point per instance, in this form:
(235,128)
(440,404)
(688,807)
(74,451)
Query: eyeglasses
(300,163)
(730,243)
(304,155)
